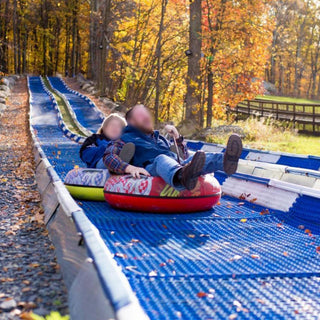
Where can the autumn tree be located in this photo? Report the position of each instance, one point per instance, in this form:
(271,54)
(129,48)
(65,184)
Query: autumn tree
(236,35)
(193,96)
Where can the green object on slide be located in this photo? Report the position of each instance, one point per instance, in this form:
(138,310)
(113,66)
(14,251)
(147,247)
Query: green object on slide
(86,193)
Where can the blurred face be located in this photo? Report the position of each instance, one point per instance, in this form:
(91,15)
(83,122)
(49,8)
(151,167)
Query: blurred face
(141,119)
(113,129)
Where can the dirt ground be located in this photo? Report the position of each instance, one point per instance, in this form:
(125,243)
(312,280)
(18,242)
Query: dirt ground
(30,279)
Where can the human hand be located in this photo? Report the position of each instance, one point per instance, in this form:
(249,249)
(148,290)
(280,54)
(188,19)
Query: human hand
(136,171)
(172,131)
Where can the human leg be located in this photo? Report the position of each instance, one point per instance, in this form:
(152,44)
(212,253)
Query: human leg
(213,163)
(179,177)
(227,161)
(165,167)
(127,152)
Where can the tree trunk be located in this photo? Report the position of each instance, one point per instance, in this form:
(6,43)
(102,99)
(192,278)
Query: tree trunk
(93,46)
(210,97)
(106,12)
(158,54)
(74,36)
(4,23)
(67,51)
(272,77)
(193,96)
(24,54)
(44,23)
(15,42)
(56,57)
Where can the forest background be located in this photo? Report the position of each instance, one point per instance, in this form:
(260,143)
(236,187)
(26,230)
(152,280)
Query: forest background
(185,59)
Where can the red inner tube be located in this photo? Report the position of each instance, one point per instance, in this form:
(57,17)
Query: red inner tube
(152,194)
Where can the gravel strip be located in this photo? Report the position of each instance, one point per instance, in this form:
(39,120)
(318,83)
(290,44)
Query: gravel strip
(30,279)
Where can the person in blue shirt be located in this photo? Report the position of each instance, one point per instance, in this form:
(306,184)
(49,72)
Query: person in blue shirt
(93,148)
(154,156)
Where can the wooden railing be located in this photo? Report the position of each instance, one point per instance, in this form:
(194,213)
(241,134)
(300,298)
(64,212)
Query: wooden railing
(305,117)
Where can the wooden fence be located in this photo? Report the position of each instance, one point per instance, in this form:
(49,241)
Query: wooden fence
(305,117)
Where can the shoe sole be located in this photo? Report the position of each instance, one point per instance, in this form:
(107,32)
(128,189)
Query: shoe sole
(127,152)
(194,170)
(234,151)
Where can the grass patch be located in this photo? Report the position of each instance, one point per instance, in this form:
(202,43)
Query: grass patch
(288,99)
(67,118)
(267,134)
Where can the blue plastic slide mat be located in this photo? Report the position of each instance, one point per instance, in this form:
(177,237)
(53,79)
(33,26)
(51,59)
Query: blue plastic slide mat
(85,111)
(239,260)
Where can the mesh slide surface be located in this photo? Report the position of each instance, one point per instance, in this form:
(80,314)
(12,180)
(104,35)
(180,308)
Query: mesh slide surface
(86,113)
(236,261)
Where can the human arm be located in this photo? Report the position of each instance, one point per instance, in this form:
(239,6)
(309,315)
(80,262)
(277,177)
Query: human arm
(183,147)
(114,163)
(91,151)
(174,133)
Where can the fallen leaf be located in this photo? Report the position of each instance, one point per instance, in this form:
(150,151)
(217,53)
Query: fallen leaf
(255,256)
(261,301)
(233,316)
(153,273)
(26,316)
(307,231)
(318,249)
(242,196)
(264,211)
(285,253)
(237,304)
(301,226)
(121,255)
(9,233)
(163,264)
(201,294)
(191,236)
(164,226)
(6,280)
(243,220)
(135,241)
(240,203)
(236,257)
(34,265)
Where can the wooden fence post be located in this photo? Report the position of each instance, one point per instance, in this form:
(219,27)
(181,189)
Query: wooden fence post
(297,113)
(314,119)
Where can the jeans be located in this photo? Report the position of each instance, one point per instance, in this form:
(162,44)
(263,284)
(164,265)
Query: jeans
(100,164)
(166,167)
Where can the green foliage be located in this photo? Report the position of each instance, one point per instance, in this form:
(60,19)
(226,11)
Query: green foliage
(269,134)
(288,99)
(52,316)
